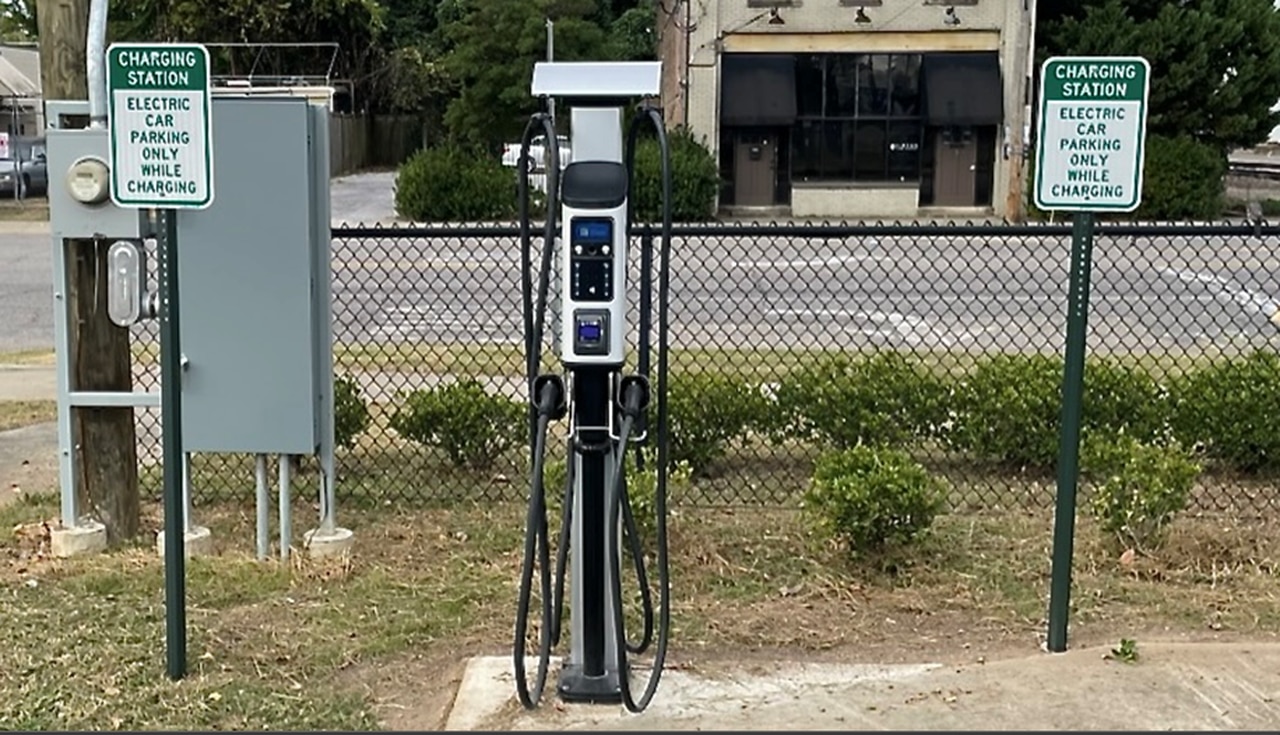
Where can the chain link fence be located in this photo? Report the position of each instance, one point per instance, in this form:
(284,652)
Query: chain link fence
(790,340)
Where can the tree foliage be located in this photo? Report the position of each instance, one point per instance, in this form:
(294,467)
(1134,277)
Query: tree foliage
(1215,64)
(492,47)
(18,20)
(473,57)
(634,36)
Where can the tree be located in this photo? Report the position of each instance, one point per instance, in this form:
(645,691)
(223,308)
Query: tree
(359,27)
(492,47)
(1215,64)
(18,21)
(633,36)
(106,453)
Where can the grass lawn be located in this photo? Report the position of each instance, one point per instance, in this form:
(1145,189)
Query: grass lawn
(377,639)
(16,414)
(27,357)
(30,210)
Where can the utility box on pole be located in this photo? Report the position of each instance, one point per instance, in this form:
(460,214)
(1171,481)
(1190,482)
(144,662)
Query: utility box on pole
(255,284)
(256,329)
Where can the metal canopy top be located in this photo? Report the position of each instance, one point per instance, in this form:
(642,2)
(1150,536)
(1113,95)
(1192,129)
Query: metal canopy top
(596,78)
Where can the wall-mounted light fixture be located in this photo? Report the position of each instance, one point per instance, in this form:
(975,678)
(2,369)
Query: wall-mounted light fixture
(950,18)
(775,19)
(861,16)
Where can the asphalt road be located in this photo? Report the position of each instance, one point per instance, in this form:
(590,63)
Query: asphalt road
(26,292)
(939,293)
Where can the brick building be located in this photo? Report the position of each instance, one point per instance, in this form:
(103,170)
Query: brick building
(854,108)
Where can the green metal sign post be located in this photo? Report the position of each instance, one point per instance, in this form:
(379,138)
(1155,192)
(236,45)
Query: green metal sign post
(1093,114)
(162,159)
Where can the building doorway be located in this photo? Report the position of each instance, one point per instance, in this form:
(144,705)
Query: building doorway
(955,167)
(755,170)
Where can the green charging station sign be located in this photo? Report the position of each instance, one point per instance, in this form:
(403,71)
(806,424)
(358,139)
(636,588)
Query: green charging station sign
(161,138)
(1093,121)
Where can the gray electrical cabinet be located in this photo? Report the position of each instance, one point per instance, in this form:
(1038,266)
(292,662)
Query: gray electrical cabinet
(255,284)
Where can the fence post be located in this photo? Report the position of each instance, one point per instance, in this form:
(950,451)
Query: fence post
(1069,447)
(646,329)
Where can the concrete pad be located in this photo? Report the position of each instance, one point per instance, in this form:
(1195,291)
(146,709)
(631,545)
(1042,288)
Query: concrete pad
(198,542)
(88,538)
(334,542)
(1181,686)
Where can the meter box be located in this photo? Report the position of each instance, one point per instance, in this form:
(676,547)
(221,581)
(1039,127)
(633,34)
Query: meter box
(79,192)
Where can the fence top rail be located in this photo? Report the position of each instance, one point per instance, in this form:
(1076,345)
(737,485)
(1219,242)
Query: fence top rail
(828,230)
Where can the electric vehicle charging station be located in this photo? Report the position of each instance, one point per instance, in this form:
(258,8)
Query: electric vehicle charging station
(591,202)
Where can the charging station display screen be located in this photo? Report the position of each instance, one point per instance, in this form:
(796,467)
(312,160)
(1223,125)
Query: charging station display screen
(591,259)
(593,230)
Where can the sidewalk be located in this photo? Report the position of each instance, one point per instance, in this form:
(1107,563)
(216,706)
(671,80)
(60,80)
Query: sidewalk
(29,455)
(1172,686)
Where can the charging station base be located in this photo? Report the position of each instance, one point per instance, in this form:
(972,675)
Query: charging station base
(577,686)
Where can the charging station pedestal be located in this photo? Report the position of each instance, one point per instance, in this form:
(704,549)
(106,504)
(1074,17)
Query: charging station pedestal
(592,269)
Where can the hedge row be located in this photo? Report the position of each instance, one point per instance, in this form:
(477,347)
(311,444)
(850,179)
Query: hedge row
(1004,409)
(450,183)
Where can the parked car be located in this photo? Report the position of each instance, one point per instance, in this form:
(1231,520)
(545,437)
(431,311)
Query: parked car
(537,153)
(25,171)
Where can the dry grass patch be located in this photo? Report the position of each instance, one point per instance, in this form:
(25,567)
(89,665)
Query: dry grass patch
(378,638)
(28,357)
(30,210)
(16,414)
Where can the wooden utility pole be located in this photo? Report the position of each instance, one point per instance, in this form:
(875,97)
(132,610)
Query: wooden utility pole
(104,439)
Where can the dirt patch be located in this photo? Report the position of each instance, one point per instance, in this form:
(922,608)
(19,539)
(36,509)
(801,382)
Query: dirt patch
(28,461)
(413,692)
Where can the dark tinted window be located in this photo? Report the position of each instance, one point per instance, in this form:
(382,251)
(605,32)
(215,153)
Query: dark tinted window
(858,118)
(809,73)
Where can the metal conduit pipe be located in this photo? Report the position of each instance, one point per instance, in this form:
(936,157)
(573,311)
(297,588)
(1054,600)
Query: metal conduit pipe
(96,63)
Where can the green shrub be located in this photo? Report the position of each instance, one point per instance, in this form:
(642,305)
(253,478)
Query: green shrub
(1009,407)
(350,412)
(473,427)
(642,489)
(872,498)
(1139,487)
(882,400)
(1122,399)
(1232,409)
(695,179)
(1182,179)
(450,183)
(708,412)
